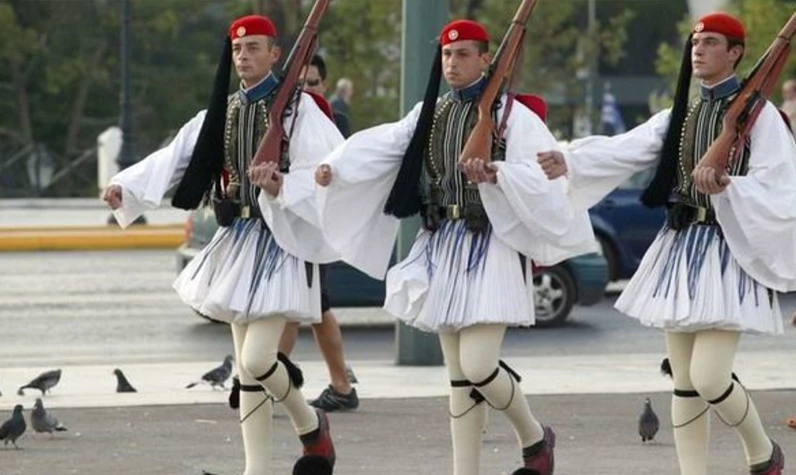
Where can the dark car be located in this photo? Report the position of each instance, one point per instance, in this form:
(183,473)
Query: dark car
(624,227)
(580,280)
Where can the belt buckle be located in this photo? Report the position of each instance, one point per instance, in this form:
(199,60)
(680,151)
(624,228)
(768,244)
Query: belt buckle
(245,212)
(701,214)
(453,212)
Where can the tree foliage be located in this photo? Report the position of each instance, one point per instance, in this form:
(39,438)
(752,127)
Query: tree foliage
(60,61)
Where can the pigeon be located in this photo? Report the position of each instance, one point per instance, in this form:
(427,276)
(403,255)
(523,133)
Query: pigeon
(648,423)
(122,384)
(43,421)
(312,465)
(13,428)
(43,382)
(216,376)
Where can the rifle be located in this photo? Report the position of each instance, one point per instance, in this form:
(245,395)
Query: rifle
(273,143)
(742,113)
(501,72)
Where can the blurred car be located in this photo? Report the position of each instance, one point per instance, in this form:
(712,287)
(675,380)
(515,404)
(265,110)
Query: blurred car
(580,280)
(624,227)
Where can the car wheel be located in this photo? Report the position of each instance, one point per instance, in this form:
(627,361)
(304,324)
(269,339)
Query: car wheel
(610,257)
(554,296)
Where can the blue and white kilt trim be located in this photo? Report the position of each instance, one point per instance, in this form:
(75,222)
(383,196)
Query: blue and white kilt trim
(243,275)
(453,278)
(689,280)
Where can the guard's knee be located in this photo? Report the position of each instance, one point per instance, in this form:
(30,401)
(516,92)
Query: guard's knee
(710,385)
(477,370)
(258,364)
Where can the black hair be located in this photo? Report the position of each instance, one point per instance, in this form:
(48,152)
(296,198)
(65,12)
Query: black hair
(318,62)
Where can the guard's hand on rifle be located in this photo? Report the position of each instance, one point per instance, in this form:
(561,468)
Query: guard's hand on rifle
(323,175)
(113,196)
(267,177)
(552,163)
(479,171)
(707,180)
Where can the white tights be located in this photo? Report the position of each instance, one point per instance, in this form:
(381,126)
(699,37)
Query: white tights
(255,356)
(472,355)
(701,368)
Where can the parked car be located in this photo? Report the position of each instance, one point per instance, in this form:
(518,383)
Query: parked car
(580,280)
(624,227)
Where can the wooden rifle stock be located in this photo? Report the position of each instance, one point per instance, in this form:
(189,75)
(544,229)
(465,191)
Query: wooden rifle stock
(742,113)
(271,145)
(479,143)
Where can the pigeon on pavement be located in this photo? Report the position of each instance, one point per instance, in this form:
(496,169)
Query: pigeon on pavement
(648,423)
(13,428)
(43,421)
(216,376)
(43,382)
(122,384)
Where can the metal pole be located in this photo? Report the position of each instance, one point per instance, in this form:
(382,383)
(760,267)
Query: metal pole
(592,28)
(422,22)
(127,154)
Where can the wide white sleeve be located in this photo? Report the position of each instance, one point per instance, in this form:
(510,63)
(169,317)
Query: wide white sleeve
(757,211)
(364,168)
(145,184)
(596,165)
(529,212)
(293,214)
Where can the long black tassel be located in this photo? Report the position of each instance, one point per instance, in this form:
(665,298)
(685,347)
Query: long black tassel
(659,189)
(293,372)
(404,199)
(207,161)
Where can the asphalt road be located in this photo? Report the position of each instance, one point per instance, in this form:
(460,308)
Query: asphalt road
(96,307)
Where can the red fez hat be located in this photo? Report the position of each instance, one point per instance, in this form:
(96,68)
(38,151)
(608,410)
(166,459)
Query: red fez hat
(722,23)
(251,25)
(460,30)
(535,103)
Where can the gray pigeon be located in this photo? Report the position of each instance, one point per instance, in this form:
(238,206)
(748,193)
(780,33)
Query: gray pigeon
(43,382)
(43,421)
(13,428)
(216,376)
(648,423)
(122,385)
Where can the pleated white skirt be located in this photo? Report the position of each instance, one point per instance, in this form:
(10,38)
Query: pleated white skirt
(243,275)
(453,278)
(689,280)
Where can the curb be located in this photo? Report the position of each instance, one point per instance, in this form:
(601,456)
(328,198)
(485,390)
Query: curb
(91,238)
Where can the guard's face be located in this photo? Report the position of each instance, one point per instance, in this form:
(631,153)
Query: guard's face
(254,56)
(463,63)
(311,80)
(712,59)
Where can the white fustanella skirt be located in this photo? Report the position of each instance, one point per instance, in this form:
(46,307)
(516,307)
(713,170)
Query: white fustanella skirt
(243,275)
(454,278)
(689,280)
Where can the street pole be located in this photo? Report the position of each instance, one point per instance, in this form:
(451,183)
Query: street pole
(592,28)
(422,22)
(127,154)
